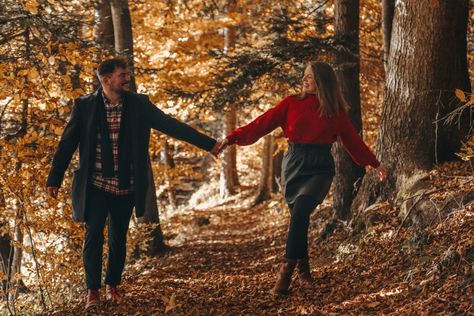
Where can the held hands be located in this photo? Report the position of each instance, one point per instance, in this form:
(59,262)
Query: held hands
(220,145)
(381,172)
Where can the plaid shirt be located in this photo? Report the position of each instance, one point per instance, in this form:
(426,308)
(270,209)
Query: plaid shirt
(110,185)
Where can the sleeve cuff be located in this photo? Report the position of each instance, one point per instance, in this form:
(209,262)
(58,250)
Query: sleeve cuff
(231,139)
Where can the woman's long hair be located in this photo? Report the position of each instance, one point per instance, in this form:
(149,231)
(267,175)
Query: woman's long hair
(328,90)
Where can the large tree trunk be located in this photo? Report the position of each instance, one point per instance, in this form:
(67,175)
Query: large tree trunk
(103,31)
(229,178)
(123,39)
(265,186)
(104,27)
(426,63)
(457,77)
(347,72)
(388,8)
(123,36)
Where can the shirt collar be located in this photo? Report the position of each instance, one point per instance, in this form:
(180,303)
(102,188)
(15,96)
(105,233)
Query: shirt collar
(108,103)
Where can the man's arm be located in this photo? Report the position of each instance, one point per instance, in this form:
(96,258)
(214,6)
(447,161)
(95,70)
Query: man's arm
(177,129)
(62,157)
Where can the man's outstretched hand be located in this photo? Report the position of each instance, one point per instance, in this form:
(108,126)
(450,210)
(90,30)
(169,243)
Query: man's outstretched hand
(219,147)
(52,191)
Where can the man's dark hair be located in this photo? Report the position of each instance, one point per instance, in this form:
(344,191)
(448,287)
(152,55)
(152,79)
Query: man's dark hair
(108,66)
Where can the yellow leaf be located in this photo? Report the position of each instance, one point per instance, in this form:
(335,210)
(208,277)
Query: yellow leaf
(51,60)
(32,6)
(460,95)
(471,102)
(33,74)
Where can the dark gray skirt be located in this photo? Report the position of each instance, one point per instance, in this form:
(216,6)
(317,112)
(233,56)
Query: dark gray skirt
(307,169)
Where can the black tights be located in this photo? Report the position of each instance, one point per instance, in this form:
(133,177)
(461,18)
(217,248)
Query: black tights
(297,242)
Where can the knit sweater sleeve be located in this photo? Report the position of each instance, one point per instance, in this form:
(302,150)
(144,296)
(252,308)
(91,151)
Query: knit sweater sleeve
(262,125)
(354,145)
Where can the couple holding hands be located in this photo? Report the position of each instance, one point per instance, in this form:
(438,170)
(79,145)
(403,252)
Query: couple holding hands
(112,127)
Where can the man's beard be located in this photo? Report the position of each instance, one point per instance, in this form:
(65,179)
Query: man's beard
(121,90)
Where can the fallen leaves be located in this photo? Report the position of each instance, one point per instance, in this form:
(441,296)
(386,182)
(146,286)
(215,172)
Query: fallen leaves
(228,266)
(170,303)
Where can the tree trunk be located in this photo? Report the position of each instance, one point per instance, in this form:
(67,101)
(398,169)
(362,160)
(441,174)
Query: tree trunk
(425,64)
(104,27)
(156,244)
(388,7)
(229,178)
(277,159)
(103,31)
(123,36)
(449,137)
(347,72)
(264,188)
(18,252)
(15,277)
(228,175)
(6,250)
(169,162)
(123,39)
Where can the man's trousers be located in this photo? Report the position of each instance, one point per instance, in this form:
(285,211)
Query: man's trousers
(116,210)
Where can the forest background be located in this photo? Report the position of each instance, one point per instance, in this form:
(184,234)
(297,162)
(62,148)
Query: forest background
(406,68)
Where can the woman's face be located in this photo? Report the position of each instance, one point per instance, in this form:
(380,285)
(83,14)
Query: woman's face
(309,84)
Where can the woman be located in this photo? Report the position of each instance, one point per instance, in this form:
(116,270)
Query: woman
(311,122)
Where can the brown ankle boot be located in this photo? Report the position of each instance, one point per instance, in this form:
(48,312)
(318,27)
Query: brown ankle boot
(284,278)
(304,272)
(92,299)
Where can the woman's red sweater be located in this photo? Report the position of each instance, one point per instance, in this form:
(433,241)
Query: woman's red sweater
(302,123)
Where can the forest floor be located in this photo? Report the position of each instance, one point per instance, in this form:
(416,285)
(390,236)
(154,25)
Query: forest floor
(224,260)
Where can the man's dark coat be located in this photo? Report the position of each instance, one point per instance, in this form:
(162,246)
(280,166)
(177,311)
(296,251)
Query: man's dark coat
(82,130)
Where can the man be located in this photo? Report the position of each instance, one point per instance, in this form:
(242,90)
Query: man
(112,129)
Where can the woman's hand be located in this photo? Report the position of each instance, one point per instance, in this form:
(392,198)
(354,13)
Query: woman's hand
(219,147)
(382,173)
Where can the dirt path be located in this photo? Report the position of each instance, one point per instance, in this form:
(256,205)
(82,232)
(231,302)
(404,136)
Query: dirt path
(228,266)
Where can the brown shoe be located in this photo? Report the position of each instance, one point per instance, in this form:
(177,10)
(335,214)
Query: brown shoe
(113,293)
(93,298)
(304,272)
(284,279)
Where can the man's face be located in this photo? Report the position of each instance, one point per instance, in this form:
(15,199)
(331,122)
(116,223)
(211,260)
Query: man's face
(119,80)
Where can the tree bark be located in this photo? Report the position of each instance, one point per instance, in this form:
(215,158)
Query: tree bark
(103,31)
(457,73)
(229,178)
(388,7)
(123,36)
(424,67)
(264,188)
(104,27)
(347,72)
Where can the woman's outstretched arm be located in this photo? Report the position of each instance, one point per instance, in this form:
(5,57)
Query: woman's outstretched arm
(262,125)
(357,149)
